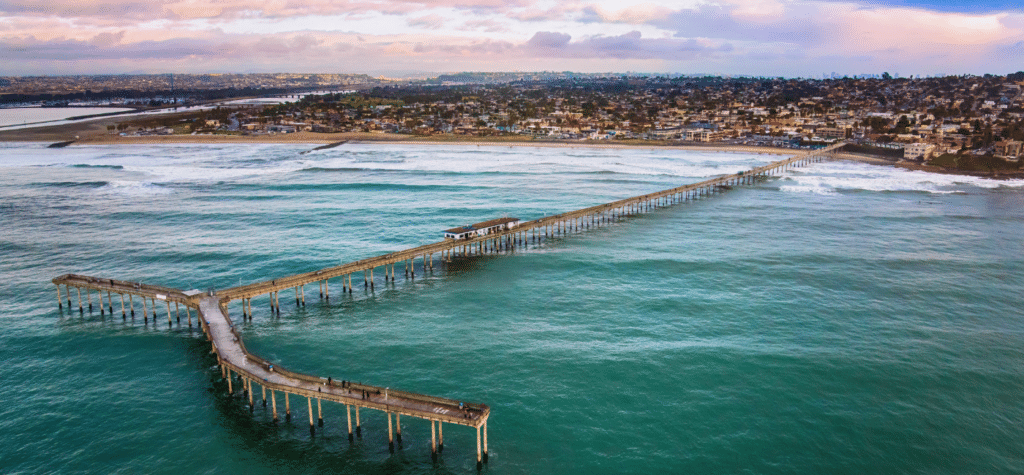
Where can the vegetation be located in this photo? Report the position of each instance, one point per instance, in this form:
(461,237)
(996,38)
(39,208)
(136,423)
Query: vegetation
(974,163)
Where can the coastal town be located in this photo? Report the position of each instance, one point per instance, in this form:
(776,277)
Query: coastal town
(956,122)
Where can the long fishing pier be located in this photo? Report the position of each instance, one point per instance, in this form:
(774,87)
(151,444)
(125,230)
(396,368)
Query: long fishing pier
(242,369)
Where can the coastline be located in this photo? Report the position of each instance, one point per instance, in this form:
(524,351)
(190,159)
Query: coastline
(95,133)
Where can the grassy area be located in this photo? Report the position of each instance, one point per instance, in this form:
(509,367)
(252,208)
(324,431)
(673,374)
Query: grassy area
(946,160)
(973,163)
(869,150)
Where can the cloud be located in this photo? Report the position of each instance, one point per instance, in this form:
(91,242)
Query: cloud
(631,45)
(31,49)
(431,22)
(543,40)
(226,9)
(488,26)
(634,14)
(790,37)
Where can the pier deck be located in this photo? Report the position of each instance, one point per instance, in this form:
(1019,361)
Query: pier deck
(232,353)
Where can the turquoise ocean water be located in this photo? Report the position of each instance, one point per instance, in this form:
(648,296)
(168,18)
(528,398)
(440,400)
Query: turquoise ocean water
(841,318)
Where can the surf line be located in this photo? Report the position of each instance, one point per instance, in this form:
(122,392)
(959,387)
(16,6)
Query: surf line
(242,369)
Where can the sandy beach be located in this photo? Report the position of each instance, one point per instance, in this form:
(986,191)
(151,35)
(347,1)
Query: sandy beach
(95,133)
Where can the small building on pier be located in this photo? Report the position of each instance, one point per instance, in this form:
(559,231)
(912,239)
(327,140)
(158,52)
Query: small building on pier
(460,233)
(481,229)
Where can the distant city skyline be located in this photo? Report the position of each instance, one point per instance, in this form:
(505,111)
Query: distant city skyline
(800,38)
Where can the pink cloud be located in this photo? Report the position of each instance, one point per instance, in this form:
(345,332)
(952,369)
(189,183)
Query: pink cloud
(628,46)
(191,9)
(488,26)
(432,22)
(785,36)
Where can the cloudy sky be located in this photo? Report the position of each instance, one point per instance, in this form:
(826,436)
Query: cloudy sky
(398,37)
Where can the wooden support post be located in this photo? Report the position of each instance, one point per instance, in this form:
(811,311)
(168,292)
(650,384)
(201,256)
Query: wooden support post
(67,289)
(398,427)
(348,412)
(189,315)
(131,304)
(433,440)
(366,280)
(391,435)
(327,289)
(296,289)
(371,278)
(359,426)
(321,284)
(60,303)
(80,308)
(302,289)
(177,312)
(309,405)
(231,390)
(479,459)
(273,403)
(248,389)
(168,302)
(319,413)
(264,389)
(88,295)
(123,314)
(145,312)
(440,437)
(485,441)
(287,408)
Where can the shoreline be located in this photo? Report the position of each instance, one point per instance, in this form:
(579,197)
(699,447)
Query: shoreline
(95,134)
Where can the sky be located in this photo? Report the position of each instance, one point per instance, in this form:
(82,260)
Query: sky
(397,38)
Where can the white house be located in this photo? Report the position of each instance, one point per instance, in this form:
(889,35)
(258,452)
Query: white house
(481,229)
(918,151)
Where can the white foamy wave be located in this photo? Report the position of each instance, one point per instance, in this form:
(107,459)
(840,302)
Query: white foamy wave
(194,172)
(133,188)
(829,177)
(491,159)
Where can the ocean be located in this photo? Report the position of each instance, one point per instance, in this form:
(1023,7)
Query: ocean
(839,318)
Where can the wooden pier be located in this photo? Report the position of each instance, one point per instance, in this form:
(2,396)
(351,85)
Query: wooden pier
(243,370)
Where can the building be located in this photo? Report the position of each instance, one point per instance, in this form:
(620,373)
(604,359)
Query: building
(1010,148)
(918,151)
(282,129)
(702,135)
(460,233)
(831,132)
(481,229)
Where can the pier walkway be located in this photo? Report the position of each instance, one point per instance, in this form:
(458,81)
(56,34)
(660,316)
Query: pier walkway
(246,369)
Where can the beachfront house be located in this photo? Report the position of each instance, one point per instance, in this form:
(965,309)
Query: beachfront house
(481,229)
